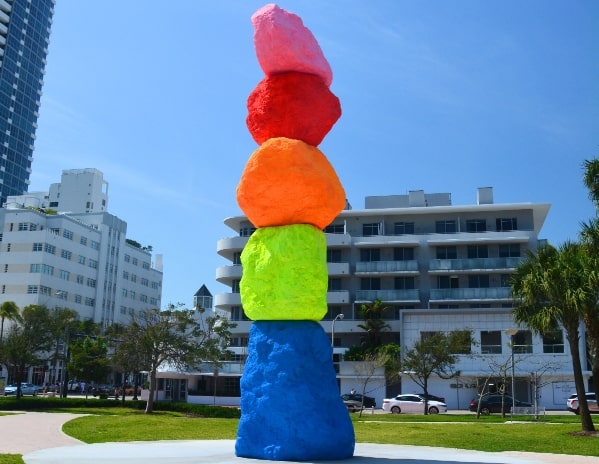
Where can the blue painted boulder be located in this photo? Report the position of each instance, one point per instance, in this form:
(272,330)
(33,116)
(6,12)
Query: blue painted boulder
(290,404)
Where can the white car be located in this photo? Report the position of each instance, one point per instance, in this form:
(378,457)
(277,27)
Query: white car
(410,403)
(573,406)
(26,389)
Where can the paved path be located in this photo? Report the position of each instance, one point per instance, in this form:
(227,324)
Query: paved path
(39,437)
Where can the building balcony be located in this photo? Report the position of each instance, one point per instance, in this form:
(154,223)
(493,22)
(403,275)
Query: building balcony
(461,294)
(387,241)
(338,297)
(338,240)
(389,296)
(475,264)
(338,269)
(386,267)
(227,299)
(228,245)
(227,273)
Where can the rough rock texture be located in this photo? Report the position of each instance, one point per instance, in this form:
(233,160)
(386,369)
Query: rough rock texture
(290,404)
(287,181)
(293,105)
(285,274)
(284,44)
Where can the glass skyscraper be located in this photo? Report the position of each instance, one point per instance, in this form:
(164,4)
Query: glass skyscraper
(24,38)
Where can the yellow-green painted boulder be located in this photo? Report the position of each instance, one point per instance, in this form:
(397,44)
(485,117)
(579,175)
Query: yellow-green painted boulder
(285,274)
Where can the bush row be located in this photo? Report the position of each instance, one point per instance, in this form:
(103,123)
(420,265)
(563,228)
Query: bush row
(47,404)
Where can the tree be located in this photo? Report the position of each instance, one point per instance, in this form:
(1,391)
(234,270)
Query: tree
(171,337)
(27,342)
(374,325)
(8,310)
(550,289)
(435,354)
(589,236)
(88,360)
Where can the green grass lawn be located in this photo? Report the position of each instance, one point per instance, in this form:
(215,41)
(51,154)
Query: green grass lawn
(557,434)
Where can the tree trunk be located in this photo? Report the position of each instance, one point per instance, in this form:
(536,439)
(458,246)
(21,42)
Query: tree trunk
(585,416)
(152,392)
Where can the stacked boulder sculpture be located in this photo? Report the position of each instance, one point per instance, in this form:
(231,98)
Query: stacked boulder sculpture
(290,404)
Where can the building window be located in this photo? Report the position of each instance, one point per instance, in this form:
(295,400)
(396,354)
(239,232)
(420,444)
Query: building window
(448,282)
(143,298)
(446,227)
(370,254)
(237,314)
(23,226)
(403,254)
(132,295)
(64,275)
(476,225)
(509,251)
(133,278)
(490,342)
(67,234)
(403,228)
(90,302)
(478,251)
(32,289)
(145,265)
(134,261)
(93,264)
(145,282)
(371,229)
(478,281)
(155,285)
(91,282)
(126,275)
(523,342)
(95,245)
(80,279)
(370,283)
(49,248)
(38,246)
(78,299)
(553,342)
(335,229)
(334,285)
(237,258)
(35,268)
(45,290)
(127,258)
(66,254)
(83,241)
(506,224)
(55,230)
(404,283)
(235,286)
(447,252)
(124,292)
(123,309)
(505,280)
(333,256)
(154,301)
(48,270)
(81,259)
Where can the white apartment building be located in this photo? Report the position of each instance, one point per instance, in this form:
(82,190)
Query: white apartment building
(62,248)
(439,267)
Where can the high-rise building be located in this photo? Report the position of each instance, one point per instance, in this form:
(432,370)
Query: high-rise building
(436,267)
(62,248)
(24,38)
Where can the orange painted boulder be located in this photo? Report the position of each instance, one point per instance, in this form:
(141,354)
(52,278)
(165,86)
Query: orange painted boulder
(287,181)
(293,105)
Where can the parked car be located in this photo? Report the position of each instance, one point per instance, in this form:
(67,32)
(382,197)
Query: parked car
(102,390)
(492,403)
(432,397)
(26,389)
(572,404)
(411,403)
(355,399)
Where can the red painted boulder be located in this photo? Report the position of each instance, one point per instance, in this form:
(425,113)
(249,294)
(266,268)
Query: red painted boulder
(293,105)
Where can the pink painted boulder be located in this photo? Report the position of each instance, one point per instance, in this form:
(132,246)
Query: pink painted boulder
(284,44)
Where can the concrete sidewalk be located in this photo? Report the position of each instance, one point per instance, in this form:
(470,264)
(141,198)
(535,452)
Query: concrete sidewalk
(39,437)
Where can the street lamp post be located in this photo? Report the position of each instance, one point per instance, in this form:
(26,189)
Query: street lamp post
(337,317)
(511,333)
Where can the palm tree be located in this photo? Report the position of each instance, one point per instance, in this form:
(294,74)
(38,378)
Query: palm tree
(591,179)
(374,324)
(8,310)
(551,289)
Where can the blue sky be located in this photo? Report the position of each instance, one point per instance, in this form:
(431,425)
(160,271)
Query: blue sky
(443,96)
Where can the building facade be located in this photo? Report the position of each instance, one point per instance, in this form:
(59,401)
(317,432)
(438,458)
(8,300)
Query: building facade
(75,254)
(438,267)
(24,39)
